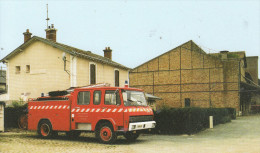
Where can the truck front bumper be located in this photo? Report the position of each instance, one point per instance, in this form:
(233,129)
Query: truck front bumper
(141,125)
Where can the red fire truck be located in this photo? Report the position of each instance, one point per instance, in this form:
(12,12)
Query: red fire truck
(107,111)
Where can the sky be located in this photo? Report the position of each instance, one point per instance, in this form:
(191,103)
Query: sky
(136,31)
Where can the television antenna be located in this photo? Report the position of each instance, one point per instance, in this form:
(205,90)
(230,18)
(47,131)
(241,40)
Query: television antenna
(47,16)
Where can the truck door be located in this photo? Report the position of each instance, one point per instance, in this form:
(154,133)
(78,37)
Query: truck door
(80,118)
(112,108)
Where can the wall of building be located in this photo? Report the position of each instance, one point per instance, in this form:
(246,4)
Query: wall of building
(252,67)
(47,72)
(188,72)
(104,73)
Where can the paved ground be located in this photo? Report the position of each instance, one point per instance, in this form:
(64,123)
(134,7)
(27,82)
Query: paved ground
(241,135)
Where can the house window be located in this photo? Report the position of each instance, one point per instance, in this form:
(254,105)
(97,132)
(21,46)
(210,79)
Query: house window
(116,78)
(187,102)
(97,97)
(28,68)
(92,74)
(84,98)
(17,69)
(112,97)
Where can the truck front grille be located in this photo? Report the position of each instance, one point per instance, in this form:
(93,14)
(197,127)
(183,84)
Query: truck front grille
(133,119)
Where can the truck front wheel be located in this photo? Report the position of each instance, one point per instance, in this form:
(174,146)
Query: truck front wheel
(106,134)
(131,136)
(45,129)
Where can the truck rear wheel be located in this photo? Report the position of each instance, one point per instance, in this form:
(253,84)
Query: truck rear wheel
(45,129)
(131,136)
(105,133)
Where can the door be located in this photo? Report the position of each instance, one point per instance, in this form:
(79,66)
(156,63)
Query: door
(81,105)
(112,108)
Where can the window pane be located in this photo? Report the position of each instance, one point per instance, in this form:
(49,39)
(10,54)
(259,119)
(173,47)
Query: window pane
(187,102)
(27,68)
(92,74)
(97,97)
(116,78)
(134,98)
(17,69)
(84,98)
(112,97)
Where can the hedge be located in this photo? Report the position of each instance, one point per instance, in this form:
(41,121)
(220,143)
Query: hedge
(12,114)
(190,120)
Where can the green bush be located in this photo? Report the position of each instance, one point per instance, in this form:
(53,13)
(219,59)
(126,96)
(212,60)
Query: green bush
(232,113)
(188,120)
(12,114)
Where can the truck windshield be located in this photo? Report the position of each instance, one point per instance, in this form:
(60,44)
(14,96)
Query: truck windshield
(133,98)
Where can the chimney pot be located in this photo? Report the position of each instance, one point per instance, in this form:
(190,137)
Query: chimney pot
(108,53)
(224,54)
(51,33)
(27,35)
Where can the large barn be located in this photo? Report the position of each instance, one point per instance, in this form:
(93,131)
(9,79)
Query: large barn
(187,76)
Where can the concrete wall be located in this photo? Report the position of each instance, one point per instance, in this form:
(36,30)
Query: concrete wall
(188,72)
(47,72)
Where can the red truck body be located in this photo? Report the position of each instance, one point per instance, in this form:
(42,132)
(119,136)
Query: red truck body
(90,109)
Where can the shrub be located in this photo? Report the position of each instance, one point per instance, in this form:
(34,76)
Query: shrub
(188,120)
(232,113)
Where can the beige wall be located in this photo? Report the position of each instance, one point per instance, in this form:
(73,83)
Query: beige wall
(105,73)
(47,72)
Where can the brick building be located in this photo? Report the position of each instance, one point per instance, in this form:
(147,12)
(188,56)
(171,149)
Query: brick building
(188,76)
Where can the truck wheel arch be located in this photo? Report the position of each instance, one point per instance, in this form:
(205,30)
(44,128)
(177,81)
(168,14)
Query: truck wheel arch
(110,121)
(43,119)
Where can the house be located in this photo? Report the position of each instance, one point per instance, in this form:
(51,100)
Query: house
(40,65)
(187,76)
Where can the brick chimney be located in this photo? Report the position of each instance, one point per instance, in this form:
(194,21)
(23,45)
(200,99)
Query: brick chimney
(108,53)
(27,35)
(51,33)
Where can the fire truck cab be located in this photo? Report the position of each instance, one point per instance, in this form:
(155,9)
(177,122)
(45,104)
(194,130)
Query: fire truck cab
(107,111)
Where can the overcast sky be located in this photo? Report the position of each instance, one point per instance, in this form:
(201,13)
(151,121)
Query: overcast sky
(136,31)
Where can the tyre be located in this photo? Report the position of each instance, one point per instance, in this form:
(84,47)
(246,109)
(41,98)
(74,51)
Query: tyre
(73,134)
(23,122)
(45,129)
(130,136)
(105,133)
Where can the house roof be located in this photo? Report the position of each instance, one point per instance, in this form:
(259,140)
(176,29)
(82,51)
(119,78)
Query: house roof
(194,47)
(68,49)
